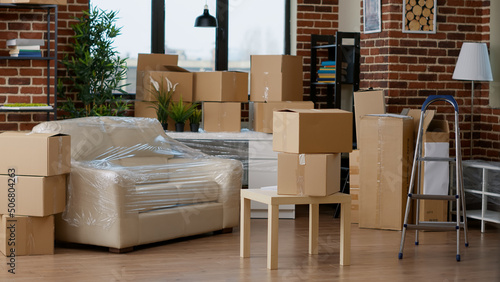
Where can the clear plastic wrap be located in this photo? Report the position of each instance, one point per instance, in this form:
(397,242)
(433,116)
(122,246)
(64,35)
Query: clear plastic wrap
(475,179)
(123,167)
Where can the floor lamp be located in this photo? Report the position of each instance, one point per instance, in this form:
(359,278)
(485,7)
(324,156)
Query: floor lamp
(473,64)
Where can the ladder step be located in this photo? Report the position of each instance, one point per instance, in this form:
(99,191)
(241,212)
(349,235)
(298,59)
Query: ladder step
(435,159)
(433,197)
(433,226)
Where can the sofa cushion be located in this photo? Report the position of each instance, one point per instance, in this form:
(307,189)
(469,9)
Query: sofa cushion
(155,196)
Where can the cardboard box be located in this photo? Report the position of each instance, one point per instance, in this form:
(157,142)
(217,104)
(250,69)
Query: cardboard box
(276,78)
(222,116)
(367,102)
(262,120)
(385,170)
(175,74)
(220,86)
(32,235)
(34,195)
(308,174)
(36,154)
(56,2)
(304,131)
(144,109)
(354,184)
(435,175)
(151,62)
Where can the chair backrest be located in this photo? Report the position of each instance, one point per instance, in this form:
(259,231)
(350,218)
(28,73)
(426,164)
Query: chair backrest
(101,138)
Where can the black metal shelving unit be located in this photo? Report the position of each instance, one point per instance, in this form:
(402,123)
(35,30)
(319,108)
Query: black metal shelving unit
(51,55)
(340,53)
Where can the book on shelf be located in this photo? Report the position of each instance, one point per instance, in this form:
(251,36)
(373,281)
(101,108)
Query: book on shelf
(25,42)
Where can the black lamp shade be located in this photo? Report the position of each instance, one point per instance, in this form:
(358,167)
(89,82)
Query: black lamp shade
(205,20)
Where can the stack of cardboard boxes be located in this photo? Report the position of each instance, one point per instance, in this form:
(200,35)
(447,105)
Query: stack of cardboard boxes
(310,143)
(159,68)
(384,160)
(33,173)
(275,84)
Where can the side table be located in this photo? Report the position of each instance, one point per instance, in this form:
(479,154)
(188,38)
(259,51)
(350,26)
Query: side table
(273,200)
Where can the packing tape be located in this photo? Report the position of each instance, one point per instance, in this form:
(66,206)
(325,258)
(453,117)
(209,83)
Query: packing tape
(60,155)
(301,175)
(266,85)
(30,235)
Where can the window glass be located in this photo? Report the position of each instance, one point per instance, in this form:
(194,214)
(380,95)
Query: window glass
(134,18)
(256,27)
(194,45)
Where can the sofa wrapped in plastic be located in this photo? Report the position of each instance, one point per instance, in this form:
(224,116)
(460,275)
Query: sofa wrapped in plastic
(131,184)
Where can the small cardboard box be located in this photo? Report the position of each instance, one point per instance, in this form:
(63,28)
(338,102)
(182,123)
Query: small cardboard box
(26,235)
(220,86)
(354,184)
(262,120)
(385,170)
(49,2)
(177,75)
(367,102)
(222,116)
(36,154)
(304,131)
(435,175)
(144,109)
(308,174)
(150,62)
(33,195)
(276,78)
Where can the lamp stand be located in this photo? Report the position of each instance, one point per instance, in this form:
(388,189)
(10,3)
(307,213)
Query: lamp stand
(472,120)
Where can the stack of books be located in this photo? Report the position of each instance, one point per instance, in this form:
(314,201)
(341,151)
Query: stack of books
(25,47)
(326,73)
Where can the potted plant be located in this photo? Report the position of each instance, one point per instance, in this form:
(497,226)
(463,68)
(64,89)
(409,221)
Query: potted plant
(95,70)
(181,112)
(162,100)
(194,120)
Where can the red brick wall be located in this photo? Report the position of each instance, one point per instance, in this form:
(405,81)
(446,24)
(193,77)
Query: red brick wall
(314,17)
(24,81)
(410,67)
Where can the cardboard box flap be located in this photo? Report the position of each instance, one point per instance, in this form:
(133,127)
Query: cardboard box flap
(367,102)
(155,61)
(174,68)
(389,115)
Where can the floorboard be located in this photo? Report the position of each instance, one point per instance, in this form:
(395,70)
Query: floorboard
(216,257)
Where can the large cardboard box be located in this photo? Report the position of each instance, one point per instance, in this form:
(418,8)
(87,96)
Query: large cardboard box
(367,102)
(308,174)
(31,235)
(220,86)
(144,109)
(435,175)
(56,2)
(304,131)
(147,63)
(276,78)
(176,75)
(385,170)
(33,195)
(354,184)
(262,120)
(37,154)
(222,116)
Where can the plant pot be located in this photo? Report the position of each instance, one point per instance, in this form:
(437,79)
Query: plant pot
(179,126)
(165,126)
(194,127)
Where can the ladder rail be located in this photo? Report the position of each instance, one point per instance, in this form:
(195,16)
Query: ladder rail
(416,172)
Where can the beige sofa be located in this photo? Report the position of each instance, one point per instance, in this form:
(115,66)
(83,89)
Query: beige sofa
(131,184)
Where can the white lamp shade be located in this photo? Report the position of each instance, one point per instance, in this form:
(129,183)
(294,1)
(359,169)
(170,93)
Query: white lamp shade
(473,63)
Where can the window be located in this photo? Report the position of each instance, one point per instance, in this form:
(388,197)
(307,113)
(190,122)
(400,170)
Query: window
(134,17)
(256,27)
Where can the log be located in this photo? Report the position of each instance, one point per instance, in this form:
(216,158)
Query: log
(414,25)
(417,10)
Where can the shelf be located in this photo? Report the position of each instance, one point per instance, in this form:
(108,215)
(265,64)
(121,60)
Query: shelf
(490,216)
(26,58)
(50,36)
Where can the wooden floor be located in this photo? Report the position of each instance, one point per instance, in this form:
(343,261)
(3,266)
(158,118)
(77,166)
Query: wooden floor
(216,257)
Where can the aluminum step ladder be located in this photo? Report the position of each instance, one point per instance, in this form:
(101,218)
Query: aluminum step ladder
(458,197)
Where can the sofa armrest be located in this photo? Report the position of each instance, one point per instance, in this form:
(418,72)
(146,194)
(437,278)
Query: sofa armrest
(227,173)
